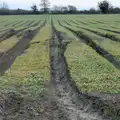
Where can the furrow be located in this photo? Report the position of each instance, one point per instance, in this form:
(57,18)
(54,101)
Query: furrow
(108,56)
(7,58)
(66,94)
(109,36)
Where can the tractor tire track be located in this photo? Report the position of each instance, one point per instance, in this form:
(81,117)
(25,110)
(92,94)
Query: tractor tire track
(109,36)
(8,57)
(110,30)
(88,41)
(68,97)
(10,33)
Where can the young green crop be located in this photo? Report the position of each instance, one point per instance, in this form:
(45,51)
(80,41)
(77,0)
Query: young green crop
(30,71)
(90,71)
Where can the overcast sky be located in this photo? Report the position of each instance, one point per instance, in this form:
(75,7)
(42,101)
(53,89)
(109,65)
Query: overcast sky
(80,4)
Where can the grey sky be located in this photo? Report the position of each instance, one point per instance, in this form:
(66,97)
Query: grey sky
(80,4)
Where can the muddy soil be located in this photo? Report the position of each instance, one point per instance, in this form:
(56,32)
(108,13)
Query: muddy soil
(76,105)
(66,96)
(15,106)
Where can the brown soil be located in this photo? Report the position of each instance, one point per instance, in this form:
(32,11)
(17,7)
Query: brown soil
(14,106)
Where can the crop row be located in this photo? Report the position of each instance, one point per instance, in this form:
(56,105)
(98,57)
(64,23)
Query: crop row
(90,71)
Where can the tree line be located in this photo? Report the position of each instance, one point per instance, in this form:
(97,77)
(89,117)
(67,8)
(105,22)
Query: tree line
(104,7)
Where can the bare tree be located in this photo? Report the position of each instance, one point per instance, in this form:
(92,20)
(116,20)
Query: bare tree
(4,9)
(45,4)
(34,8)
(3,5)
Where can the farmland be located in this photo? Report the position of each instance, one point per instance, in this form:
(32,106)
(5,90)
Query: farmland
(80,50)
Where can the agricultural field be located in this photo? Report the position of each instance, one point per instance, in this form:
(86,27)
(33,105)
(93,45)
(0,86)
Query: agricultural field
(75,54)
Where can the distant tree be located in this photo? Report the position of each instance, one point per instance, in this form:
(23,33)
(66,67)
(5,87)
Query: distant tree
(72,9)
(64,8)
(116,10)
(34,8)
(92,11)
(45,4)
(104,6)
(18,11)
(56,9)
(3,5)
(4,9)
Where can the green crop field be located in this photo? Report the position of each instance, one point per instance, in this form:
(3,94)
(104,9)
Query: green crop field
(72,53)
(93,52)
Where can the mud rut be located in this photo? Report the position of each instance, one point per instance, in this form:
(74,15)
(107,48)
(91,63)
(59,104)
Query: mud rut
(7,58)
(71,102)
(88,41)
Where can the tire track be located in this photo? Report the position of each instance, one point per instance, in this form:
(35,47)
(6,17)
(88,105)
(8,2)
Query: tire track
(84,23)
(10,33)
(18,22)
(110,30)
(36,24)
(88,41)
(7,58)
(109,36)
(68,97)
